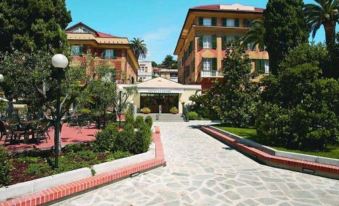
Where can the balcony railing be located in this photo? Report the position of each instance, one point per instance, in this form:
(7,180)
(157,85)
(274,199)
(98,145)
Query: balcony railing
(211,73)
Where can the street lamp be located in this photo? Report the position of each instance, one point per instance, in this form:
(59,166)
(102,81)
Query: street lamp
(60,62)
(2,78)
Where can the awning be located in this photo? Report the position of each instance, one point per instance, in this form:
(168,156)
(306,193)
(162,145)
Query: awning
(160,91)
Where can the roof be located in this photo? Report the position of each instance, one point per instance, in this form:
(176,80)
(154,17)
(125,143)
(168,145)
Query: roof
(162,83)
(228,7)
(93,31)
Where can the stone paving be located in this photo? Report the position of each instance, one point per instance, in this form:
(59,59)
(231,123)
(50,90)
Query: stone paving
(202,171)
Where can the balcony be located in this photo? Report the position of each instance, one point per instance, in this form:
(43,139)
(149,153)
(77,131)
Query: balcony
(211,73)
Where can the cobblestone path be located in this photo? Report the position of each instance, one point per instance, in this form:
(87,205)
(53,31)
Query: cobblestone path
(202,171)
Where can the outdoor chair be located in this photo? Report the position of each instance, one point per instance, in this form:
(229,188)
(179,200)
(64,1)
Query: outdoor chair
(41,130)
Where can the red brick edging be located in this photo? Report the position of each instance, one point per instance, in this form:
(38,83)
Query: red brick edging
(62,191)
(325,170)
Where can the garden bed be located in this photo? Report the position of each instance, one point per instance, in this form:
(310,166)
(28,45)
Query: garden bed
(332,151)
(36,164)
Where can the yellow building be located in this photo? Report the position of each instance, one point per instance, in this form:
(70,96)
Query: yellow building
(108,50)
(206,31)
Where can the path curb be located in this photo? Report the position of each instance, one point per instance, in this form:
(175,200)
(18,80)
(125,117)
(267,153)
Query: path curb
(70,189)
(304,166)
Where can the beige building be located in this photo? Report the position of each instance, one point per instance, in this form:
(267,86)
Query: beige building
(161,92)
(145,71)
(170,74)
(203,39)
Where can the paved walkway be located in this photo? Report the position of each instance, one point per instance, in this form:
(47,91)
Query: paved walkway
(202,171)
(165,117)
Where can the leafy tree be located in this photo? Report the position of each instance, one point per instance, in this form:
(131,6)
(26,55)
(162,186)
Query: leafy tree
(285,29)
(235,97)
(255,35)
(99,95)
(169,63)
(139,47)
(154,64)
(30,25)
(323,13)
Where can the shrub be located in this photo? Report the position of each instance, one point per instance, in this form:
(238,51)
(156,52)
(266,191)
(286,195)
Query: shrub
(5,167)
(174,110)
(149,121)
(125,139)
(142,139)
(139,120)
(192,116)
(105,139)
(146,110)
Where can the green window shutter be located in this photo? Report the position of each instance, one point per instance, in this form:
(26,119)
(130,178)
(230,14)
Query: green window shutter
(214,21)
(224,42)
(214,42)
(201,21)
(224,22)
(214,64)
(200,43)
(236,22)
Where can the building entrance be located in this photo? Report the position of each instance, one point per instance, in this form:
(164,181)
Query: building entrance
(152,101)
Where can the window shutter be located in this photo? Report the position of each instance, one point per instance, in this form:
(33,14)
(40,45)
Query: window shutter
(214,42)
(200,43)
(214,64)
(236,22)
(224,22)
(214,21)
(224,42)
(201,21)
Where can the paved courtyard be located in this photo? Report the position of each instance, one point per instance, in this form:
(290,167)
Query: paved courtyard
(202,171)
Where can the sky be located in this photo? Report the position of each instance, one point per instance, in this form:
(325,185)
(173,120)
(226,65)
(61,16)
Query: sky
(158,22)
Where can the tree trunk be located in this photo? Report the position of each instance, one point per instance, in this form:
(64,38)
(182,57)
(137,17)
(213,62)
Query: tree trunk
(330,33)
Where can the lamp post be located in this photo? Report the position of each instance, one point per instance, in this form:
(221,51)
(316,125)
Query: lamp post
(60,62)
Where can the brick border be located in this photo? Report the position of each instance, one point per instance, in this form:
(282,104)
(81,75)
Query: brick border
(308,167)
(62,191)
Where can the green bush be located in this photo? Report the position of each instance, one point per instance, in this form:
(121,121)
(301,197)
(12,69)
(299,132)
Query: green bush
(39,169)
(125,139)
(193,116)
(105,140)
(139,120)
(5,167)
(174,110)
(149,121)
(142,139)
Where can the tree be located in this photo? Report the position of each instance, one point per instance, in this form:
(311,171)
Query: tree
(99,96)
(255,35)
(139,47)
(28,25)
(154,64)
(32,79)
(169,63)
(323,13)
(285,29)
(234,98)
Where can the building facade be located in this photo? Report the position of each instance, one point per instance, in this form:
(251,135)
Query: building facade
(161,93)
(170,74)
(203,39)
(145,71)
(96,49)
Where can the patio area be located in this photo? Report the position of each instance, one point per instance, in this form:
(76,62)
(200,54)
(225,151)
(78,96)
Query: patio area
(69,135)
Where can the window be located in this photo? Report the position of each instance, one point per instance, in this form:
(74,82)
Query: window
(76,50)
(108,54)
(247,23)
(231,22)
(207,22)
(207,64)
(261,66)
(207,42)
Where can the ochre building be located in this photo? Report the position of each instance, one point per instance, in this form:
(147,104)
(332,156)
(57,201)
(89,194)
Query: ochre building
(203,39)
(96,49)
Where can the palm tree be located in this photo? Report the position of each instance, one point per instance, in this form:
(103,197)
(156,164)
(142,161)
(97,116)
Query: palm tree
(139,47)
(255,35)
(325,13)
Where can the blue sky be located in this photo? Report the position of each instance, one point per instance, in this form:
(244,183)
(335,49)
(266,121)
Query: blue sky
(158,22)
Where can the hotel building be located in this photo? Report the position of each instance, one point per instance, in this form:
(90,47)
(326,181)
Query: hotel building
(205,33)
(107,51)
(145,71)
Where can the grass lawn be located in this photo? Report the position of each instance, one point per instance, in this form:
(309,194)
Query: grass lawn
(332,151)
